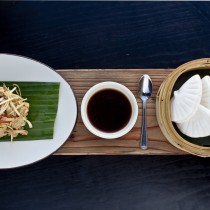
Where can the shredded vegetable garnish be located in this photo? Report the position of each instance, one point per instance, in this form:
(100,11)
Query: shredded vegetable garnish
(13,112)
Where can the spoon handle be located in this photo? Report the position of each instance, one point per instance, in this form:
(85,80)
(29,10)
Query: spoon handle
(144,138)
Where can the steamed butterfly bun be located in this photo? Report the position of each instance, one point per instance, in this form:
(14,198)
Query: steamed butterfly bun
(205,99)
(186,100)
(198,125)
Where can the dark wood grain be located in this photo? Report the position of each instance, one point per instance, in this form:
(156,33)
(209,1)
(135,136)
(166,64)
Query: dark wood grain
(108,182)
(106,34)
(103,35)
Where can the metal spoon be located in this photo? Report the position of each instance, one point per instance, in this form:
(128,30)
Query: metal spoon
(144,91)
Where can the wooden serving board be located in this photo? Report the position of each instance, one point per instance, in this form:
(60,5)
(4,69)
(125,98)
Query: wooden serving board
(82,142)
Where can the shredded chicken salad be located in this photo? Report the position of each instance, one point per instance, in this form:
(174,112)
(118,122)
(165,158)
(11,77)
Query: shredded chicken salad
(13,112)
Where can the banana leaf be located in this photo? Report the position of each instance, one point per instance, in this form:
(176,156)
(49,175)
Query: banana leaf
(204,141)
(43,100)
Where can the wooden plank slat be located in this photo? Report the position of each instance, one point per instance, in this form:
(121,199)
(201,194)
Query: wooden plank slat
(82,142)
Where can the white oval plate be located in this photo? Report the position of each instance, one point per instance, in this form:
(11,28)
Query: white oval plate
(20,153)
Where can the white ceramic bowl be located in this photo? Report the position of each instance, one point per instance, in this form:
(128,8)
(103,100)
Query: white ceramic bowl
(122,89)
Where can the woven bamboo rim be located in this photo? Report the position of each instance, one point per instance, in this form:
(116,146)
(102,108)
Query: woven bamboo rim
(163,108)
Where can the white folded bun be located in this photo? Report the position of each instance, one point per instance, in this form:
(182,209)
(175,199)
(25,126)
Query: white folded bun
(186,100)
(198,125)
(205,99)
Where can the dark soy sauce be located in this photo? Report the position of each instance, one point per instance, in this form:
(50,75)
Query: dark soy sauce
(109,110)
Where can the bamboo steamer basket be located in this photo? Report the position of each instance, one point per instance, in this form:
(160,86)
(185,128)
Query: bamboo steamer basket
(163,108)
